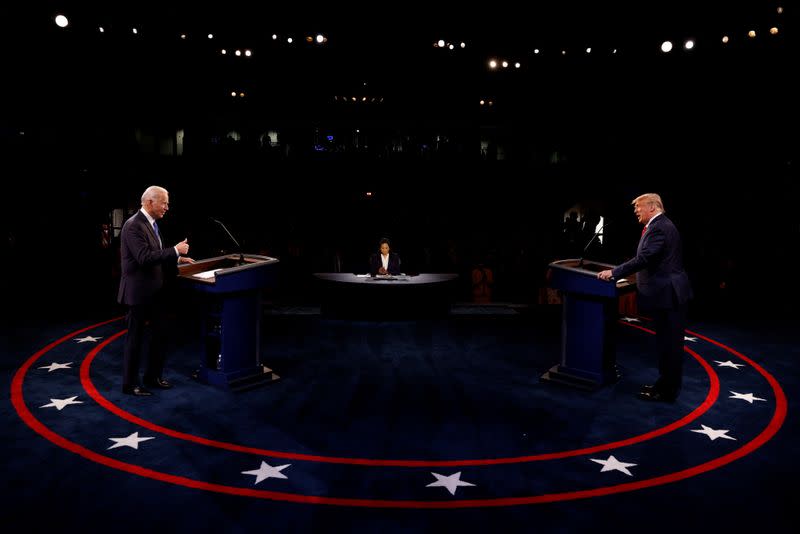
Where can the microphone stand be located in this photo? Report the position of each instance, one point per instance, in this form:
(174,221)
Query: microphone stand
(600,231)
(238,246)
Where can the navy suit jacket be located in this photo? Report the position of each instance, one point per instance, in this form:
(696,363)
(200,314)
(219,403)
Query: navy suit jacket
(375,264)
(144,262)
(662,282)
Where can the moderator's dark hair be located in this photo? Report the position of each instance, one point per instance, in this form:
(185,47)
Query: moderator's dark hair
(384,240)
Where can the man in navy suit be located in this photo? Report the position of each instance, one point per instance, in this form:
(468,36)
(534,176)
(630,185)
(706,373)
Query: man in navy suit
(145,264)
(385,262)
(664,291)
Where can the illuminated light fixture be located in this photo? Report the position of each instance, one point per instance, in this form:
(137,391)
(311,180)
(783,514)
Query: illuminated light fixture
(483,102)
(666,46)
(238,53)
(689,44)
(491,102)
(248,53)
(505,64)
(773,30)
(353,98)
(183,36)
(725,39)
(369,193)
(535,50)
(492,64)
(61,21)
(751,34)
(440,43)
(463,44)
(589,50)
(135,31)
(309,39)
(101,29)
(223,52)
(241,95)
(614,51)
(363,98)
(517,65)
(233,93)
(290,40)
(779,10)
(563,52)
(451,47)
(210,36)
(274,37)
(320,38)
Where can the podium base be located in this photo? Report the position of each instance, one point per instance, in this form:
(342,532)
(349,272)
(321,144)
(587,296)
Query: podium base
(238,381)
(560,375)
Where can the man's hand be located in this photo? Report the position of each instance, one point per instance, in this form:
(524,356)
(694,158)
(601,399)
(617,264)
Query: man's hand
(605,275)
(185,259)
(382,271)
(183,247)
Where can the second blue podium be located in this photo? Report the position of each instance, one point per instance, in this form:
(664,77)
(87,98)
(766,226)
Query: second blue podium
(588,348)
(231,288)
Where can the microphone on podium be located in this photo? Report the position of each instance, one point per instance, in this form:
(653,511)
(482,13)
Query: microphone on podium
(596,234)
(238,246)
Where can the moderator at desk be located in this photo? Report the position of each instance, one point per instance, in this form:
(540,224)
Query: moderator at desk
(381,296)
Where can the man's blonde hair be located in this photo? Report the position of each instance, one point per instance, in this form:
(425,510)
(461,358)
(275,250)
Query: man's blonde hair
(650,198)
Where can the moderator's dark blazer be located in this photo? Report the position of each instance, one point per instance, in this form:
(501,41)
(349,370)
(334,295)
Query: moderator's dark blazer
(661,281)
(143,262)
(375,263)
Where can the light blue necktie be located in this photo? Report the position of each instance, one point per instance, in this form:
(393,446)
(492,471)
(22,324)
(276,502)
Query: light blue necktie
(158,235)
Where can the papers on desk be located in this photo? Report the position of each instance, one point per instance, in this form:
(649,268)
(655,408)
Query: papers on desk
(362,276)
(206,274)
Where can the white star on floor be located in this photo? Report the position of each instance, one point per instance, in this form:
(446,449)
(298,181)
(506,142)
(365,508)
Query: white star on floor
(714,434)
(61,403)
(612,464)
(729,364)
(53,366)
(631,319)
(451,482)
(267,471)
(689,338)
(745,396)
(88,338)
(131,441)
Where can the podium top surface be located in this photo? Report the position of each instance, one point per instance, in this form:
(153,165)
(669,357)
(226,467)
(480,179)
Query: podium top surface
(208,270)
(587,268)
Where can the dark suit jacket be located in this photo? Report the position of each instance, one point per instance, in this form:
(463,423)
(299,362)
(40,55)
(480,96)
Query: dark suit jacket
(661,281)
(375,264)
(144,262)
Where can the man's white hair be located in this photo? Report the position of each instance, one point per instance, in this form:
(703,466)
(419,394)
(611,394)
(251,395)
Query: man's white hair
(153,192)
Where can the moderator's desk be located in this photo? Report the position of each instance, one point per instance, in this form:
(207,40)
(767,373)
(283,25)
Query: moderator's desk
(426,294)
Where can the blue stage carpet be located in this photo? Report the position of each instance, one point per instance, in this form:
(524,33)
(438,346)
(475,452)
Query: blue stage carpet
(402,426)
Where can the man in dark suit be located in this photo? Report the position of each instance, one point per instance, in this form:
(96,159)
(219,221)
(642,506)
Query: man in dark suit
(664,291)
(145,264)
(385,262)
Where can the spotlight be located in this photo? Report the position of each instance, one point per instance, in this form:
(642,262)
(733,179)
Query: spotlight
(61,21)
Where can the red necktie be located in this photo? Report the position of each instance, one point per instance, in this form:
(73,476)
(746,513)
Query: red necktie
(644,229)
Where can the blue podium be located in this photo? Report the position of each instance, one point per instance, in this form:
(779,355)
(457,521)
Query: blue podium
(589,315)
(230,288)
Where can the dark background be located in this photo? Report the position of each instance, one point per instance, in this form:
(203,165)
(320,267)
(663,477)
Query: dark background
(89,120)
